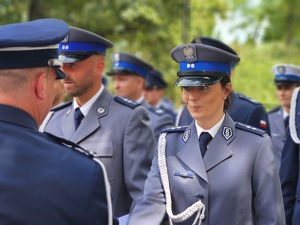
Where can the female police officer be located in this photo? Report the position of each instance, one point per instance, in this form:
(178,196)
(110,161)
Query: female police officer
(235,181)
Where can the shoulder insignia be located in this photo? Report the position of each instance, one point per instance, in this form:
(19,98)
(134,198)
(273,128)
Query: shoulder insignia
(251,129)
(155,110)
(125,101)
(71,144)
(274,109)
(174,129)
(61,106)
(248,99)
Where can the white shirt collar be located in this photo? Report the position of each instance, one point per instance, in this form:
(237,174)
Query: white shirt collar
(140,100)
(212,131)
(87,106)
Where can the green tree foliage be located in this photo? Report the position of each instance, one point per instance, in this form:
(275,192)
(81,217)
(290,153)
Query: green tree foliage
(151,29)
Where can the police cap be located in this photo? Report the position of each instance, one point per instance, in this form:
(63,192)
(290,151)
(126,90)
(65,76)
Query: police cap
(32,44)
(154,80)
(127,64)
(286,74)
(201,64)
(81,44)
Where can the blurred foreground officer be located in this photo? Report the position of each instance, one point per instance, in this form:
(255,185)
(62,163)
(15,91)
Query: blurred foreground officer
(290,163)
(117,130)
(42,180)
(287,78)
(154,93)
(242,108)
(129,74)
(228,176)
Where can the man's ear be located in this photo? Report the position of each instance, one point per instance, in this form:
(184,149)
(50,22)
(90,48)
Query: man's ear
(41,85)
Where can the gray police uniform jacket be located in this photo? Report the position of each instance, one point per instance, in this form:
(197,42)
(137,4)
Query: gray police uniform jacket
(159,118)
(236,179)
(278,132)
(118,131)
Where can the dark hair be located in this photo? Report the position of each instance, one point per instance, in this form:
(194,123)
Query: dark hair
(225,80)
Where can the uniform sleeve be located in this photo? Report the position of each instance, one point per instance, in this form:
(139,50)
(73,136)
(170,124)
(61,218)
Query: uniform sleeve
(289,176)
(259,118)
(268,202)
(139,145)
(149,209)
(99,208)
(164,121)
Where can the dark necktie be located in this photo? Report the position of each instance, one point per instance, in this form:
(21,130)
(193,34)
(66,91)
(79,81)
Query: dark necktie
(204,138)
(286,121)
(78,116)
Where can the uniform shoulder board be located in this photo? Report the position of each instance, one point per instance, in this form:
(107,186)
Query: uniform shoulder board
(274,109)
(248,99)
(61,106)
(71,145)
(250,129)
(174,129)
(125,101)
(158,111)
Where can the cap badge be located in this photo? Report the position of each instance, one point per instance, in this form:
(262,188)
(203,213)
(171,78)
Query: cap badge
(189,53)
(100,110)
(186,135)
(116,57)
(281,69)
(227,132)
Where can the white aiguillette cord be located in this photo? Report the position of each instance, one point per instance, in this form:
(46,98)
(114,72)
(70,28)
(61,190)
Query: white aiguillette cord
(198,206)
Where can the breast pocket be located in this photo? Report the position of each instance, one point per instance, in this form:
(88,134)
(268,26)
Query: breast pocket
(103,149)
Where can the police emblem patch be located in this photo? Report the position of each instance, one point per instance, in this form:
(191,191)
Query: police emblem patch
(189,53)
(227,132)
(100,110)
(186,135)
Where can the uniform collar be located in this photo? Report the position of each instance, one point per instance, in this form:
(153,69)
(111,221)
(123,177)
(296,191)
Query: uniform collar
(212,131)
(17,116)
(87,106)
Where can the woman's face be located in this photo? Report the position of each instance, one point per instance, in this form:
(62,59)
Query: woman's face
(206,104)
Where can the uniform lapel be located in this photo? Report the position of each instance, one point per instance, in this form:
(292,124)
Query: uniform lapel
(190,154)
(68,126)
(92,120)
(219,150)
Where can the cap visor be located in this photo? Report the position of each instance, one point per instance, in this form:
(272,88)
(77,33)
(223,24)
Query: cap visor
(59,74)
(190,81)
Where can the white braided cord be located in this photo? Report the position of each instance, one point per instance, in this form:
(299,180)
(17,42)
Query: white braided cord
(198,206)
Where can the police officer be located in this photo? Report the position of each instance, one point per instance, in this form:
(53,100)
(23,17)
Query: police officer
(117,130)
(290,163)
(214,171)
(243,109)
(154,93)
(44,179)
(287,78)
(129,73)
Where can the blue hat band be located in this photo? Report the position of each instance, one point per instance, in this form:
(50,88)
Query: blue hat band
(130,66)
(287,77)
(206,66)
(82,47)
(26,59)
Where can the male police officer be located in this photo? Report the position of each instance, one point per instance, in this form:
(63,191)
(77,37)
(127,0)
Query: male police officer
(287,78)
(117,130)
(129,74)
(243,109)
(42,180)
(154,93)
